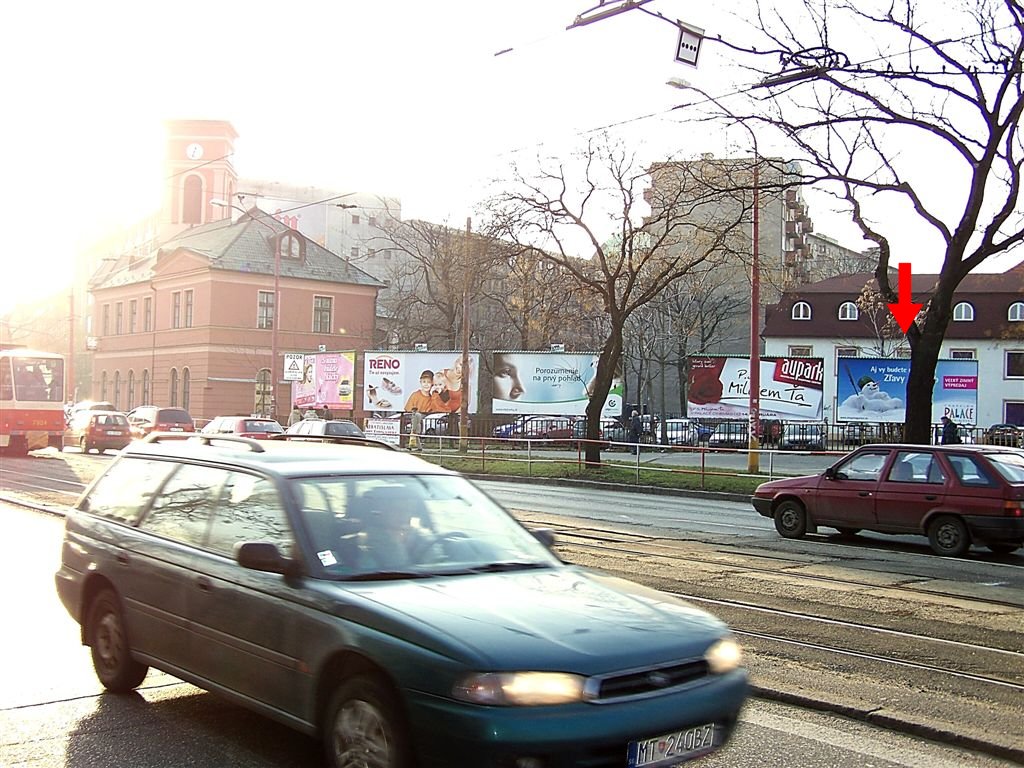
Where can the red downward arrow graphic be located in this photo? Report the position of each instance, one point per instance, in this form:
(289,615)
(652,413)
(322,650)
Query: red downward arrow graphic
(906,310)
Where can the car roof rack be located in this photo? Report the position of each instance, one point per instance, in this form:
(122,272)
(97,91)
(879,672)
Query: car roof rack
(339,439)
(162,437)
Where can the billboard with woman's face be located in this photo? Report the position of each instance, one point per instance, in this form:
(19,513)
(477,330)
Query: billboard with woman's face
(557,384)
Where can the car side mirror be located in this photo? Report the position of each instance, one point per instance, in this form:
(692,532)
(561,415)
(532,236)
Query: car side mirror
(263,556)
(830,473)
(545,536)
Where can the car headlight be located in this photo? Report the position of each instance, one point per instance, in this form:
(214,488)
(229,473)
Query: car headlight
(724,656)
(522,689)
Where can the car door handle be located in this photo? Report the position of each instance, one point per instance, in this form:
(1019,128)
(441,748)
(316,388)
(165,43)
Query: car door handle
(865,494)
(930,498)
(204,584)
(122,558)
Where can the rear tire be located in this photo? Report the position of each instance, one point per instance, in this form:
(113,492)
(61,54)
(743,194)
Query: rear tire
(790,520)
(948,536)
(365,727)
(108,639)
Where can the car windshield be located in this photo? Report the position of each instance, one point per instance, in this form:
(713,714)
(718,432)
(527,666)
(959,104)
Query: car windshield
(174,416)
(380,526)
(1009,465)
(343,428)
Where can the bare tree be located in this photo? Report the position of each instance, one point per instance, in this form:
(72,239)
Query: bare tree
(939,86)
(563,211)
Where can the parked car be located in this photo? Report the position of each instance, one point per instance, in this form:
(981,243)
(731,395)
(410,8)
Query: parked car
(859,434)
(88,405)
(537,427)
(339,427)
(387,605)
(442,424)
(150,418)
(99,431)
(1005,434)
(243,426)
(955,495)
(579,434)
(730,434)
(801,436)
(684,432)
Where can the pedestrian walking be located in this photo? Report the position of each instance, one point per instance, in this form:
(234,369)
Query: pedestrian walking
(950,431)
(636,428)
(416,427)
(295,416)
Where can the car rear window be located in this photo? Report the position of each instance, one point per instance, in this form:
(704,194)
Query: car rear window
(1009,465)
(262,426)
(343,429)
(111,420)
(173,416)
(124,490)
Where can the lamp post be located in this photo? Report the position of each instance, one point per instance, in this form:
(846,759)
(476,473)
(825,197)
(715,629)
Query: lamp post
(754,393)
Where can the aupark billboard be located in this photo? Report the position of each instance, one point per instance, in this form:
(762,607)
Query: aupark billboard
(874,389)
(549,383)
(430,382)
(791,388)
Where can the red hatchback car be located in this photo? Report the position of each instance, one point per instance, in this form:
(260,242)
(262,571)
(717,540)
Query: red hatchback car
(956,495)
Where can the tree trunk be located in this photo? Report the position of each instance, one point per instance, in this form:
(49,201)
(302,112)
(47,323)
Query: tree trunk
(924,358)
(606,365)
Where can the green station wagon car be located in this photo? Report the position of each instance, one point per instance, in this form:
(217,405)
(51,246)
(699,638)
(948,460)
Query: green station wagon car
(388,606)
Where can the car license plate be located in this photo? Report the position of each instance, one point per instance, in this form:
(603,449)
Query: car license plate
(673,748)
(114,432)
(176,429)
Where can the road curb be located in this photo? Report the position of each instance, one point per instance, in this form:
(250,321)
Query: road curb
(650,490)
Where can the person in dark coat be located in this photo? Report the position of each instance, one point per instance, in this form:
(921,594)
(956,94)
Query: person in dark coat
(950,431)
(636,428)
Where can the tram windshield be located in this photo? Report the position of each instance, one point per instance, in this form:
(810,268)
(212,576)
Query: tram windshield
(35,379)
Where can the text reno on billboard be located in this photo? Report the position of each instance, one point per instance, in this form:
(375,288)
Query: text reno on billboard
(803,372)
(384,364)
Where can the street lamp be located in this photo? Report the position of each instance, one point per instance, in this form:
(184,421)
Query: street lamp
(754,393)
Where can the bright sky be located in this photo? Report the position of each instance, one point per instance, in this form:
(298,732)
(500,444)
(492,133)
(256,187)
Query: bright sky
(402,98)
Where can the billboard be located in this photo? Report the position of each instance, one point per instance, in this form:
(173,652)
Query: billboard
(552,383)
(432,382)
(875,389)
(792,388)
(327,380)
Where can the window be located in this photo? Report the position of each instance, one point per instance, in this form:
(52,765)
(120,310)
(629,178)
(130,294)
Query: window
(123,492)
(183,508)
(103,386)
(188,308)
(387,254)
(131,390)
(1016,312)
(800,350)
(105,323)
(145,387)
(373,221)
(186,387)
(801,311)
(119,318)
(1015,365)
(176,309)
(848,311)
(864,466)
(962,354)
(291,247)
(6,380)
(147,314)
(354,253)
(916,467)
(963,312)
(192,203)
(970,472)
(322,314)
(172,384)
(117,390)
(250,510)
(265,310)
(847,352)
(355,218)
(133,315)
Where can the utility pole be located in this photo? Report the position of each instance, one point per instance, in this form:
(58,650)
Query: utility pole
(69,386)
(464,406)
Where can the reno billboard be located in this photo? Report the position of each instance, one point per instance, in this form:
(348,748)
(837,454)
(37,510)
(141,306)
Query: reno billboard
(431,382)
(792,388)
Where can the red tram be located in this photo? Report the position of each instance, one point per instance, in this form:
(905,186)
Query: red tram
(31,400)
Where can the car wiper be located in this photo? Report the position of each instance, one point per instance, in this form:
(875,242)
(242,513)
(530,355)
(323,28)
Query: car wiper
(510,565)
(388,575)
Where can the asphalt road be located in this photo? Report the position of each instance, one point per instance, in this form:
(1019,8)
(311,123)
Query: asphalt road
(53,713)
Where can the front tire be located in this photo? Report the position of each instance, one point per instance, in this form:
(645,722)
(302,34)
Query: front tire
(790,520)
(108,639)
(364,727)
(948,536)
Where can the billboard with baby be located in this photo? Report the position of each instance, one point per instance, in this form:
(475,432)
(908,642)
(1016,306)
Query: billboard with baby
(875,390)
(430,382)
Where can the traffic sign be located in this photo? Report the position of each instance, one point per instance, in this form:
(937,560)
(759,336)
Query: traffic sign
(293,362)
